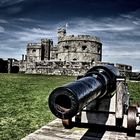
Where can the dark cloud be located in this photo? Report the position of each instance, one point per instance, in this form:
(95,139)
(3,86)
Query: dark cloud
(8,3)
(116,22)
(65,9)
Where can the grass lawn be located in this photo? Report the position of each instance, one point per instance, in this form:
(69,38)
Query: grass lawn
(24,102)
(134,90)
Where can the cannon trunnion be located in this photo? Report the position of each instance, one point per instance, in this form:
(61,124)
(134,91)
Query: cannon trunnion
(99,97)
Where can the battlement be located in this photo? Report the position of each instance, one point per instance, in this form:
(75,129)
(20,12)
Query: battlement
(45,40)
(33,45)
(80,38)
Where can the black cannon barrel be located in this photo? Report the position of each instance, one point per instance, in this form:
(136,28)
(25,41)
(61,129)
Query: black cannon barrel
(66,101)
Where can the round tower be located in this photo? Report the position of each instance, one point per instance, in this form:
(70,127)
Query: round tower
(83,48)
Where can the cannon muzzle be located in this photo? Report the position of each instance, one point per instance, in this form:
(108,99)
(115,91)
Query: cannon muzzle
(66,101)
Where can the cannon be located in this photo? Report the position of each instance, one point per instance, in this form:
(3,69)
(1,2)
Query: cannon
(100,96)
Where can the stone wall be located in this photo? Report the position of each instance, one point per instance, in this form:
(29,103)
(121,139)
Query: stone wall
(58,67)
(33,52)
(73,68)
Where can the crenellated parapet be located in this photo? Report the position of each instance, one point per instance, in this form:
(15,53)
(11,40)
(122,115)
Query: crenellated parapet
(33,45)
(79,48)
(80,38)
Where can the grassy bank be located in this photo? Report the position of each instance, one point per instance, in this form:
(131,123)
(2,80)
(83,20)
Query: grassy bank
(134,90)
(24,102)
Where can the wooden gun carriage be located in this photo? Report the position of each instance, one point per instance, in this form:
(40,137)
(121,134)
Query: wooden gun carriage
(99,97)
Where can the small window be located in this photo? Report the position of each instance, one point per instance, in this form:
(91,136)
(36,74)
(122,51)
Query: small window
(84,47)
(56,55)
(74,59)
(99,50)
(33,50)
(66,47)
(92,60)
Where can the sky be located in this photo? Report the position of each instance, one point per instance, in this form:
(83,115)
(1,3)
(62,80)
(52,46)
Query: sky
(116,22)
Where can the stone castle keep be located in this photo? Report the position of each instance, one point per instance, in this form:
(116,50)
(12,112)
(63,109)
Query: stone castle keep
(72,55)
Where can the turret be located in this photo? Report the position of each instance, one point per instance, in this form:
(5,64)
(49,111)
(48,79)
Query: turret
(61,33)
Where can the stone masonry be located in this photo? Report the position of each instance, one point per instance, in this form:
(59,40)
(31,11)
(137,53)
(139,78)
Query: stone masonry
(72,55)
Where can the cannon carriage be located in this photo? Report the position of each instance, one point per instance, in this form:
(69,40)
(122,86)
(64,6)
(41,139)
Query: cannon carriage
(100,97)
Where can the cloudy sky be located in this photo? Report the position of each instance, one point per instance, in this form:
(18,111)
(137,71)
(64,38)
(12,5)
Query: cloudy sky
(116,22)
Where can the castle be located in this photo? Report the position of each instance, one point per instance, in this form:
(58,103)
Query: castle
(72,55)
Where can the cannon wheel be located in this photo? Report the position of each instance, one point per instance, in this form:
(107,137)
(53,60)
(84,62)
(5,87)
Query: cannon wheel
(67,123)
(131,121)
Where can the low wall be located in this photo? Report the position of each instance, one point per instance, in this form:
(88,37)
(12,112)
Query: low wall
(58,68)
(72,68)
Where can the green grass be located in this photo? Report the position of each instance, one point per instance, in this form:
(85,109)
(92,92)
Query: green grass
(134,90)
(24,102)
